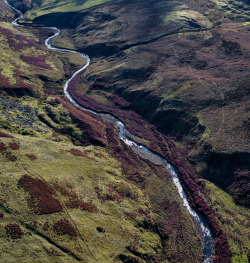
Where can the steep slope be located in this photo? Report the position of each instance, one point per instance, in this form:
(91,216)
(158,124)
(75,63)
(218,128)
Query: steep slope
(70,191)
(131,61)
(182,65)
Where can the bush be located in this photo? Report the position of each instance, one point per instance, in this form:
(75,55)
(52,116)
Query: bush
(14,146)
(64,227)
(10,156)
(14,231)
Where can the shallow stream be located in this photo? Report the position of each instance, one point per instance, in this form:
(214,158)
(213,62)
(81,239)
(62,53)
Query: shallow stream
(199,222)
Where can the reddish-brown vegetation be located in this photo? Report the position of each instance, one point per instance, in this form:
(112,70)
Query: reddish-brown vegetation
(191,184)
(14,231)
(54,101)
(65,67)
(241,188)
(85,206)
(128,158)
(5,83)
(18,41)
(134,122)
(222,251)
(129,258)
(77,152)
(164,145)
(74,201)
(110,194)
(14,146)
(2,147)
(64,227)
(56,136)
(144,211)
(36,61)
(3,134)
(21,87)
(91,126)
(64,191)
(9,156)
(31,156)
(41,199)
(1,214)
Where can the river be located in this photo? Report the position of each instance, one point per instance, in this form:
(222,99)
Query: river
(199,222)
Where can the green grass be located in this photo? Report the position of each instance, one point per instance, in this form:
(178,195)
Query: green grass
(50,158)
(236,221)
(48,6)
(80,175)
(188,15)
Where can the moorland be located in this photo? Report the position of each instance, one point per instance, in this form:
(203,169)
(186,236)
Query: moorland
(177,74)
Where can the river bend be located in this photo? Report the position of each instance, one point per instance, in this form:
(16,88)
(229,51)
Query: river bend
(199,222)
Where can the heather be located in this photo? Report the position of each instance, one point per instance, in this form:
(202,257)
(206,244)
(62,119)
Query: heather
(41,199)
(68,181)
(86,193)
(36,61)
(188,77)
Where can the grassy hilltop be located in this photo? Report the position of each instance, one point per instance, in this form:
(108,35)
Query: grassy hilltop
(176,72)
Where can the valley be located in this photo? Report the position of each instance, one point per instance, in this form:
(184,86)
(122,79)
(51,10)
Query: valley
(172,87)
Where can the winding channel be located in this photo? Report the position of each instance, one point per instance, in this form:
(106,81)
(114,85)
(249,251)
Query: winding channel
(199,222)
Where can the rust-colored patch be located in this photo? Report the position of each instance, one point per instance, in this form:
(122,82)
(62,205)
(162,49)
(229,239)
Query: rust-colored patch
(41,199)
(64,191)
(14,146)
(64,227)
(73,199)
(14,231)
(31,156)
(3,134)
(85,206)
(2,147)
(77,152)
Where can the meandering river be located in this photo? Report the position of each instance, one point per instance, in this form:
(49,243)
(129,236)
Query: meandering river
(199,222)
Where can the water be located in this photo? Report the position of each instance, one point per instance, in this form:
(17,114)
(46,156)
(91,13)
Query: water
(199,222)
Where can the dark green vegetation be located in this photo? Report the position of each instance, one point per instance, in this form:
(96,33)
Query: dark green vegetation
(182,66)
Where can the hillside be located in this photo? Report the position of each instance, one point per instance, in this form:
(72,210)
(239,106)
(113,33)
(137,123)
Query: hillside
(177,74)
(188,76)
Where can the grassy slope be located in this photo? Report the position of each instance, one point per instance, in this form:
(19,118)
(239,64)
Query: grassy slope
(191,80)
(187,75)
(212,96)
(95,206)
(48,7)
(120,219)
(79,175)
(233,218)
